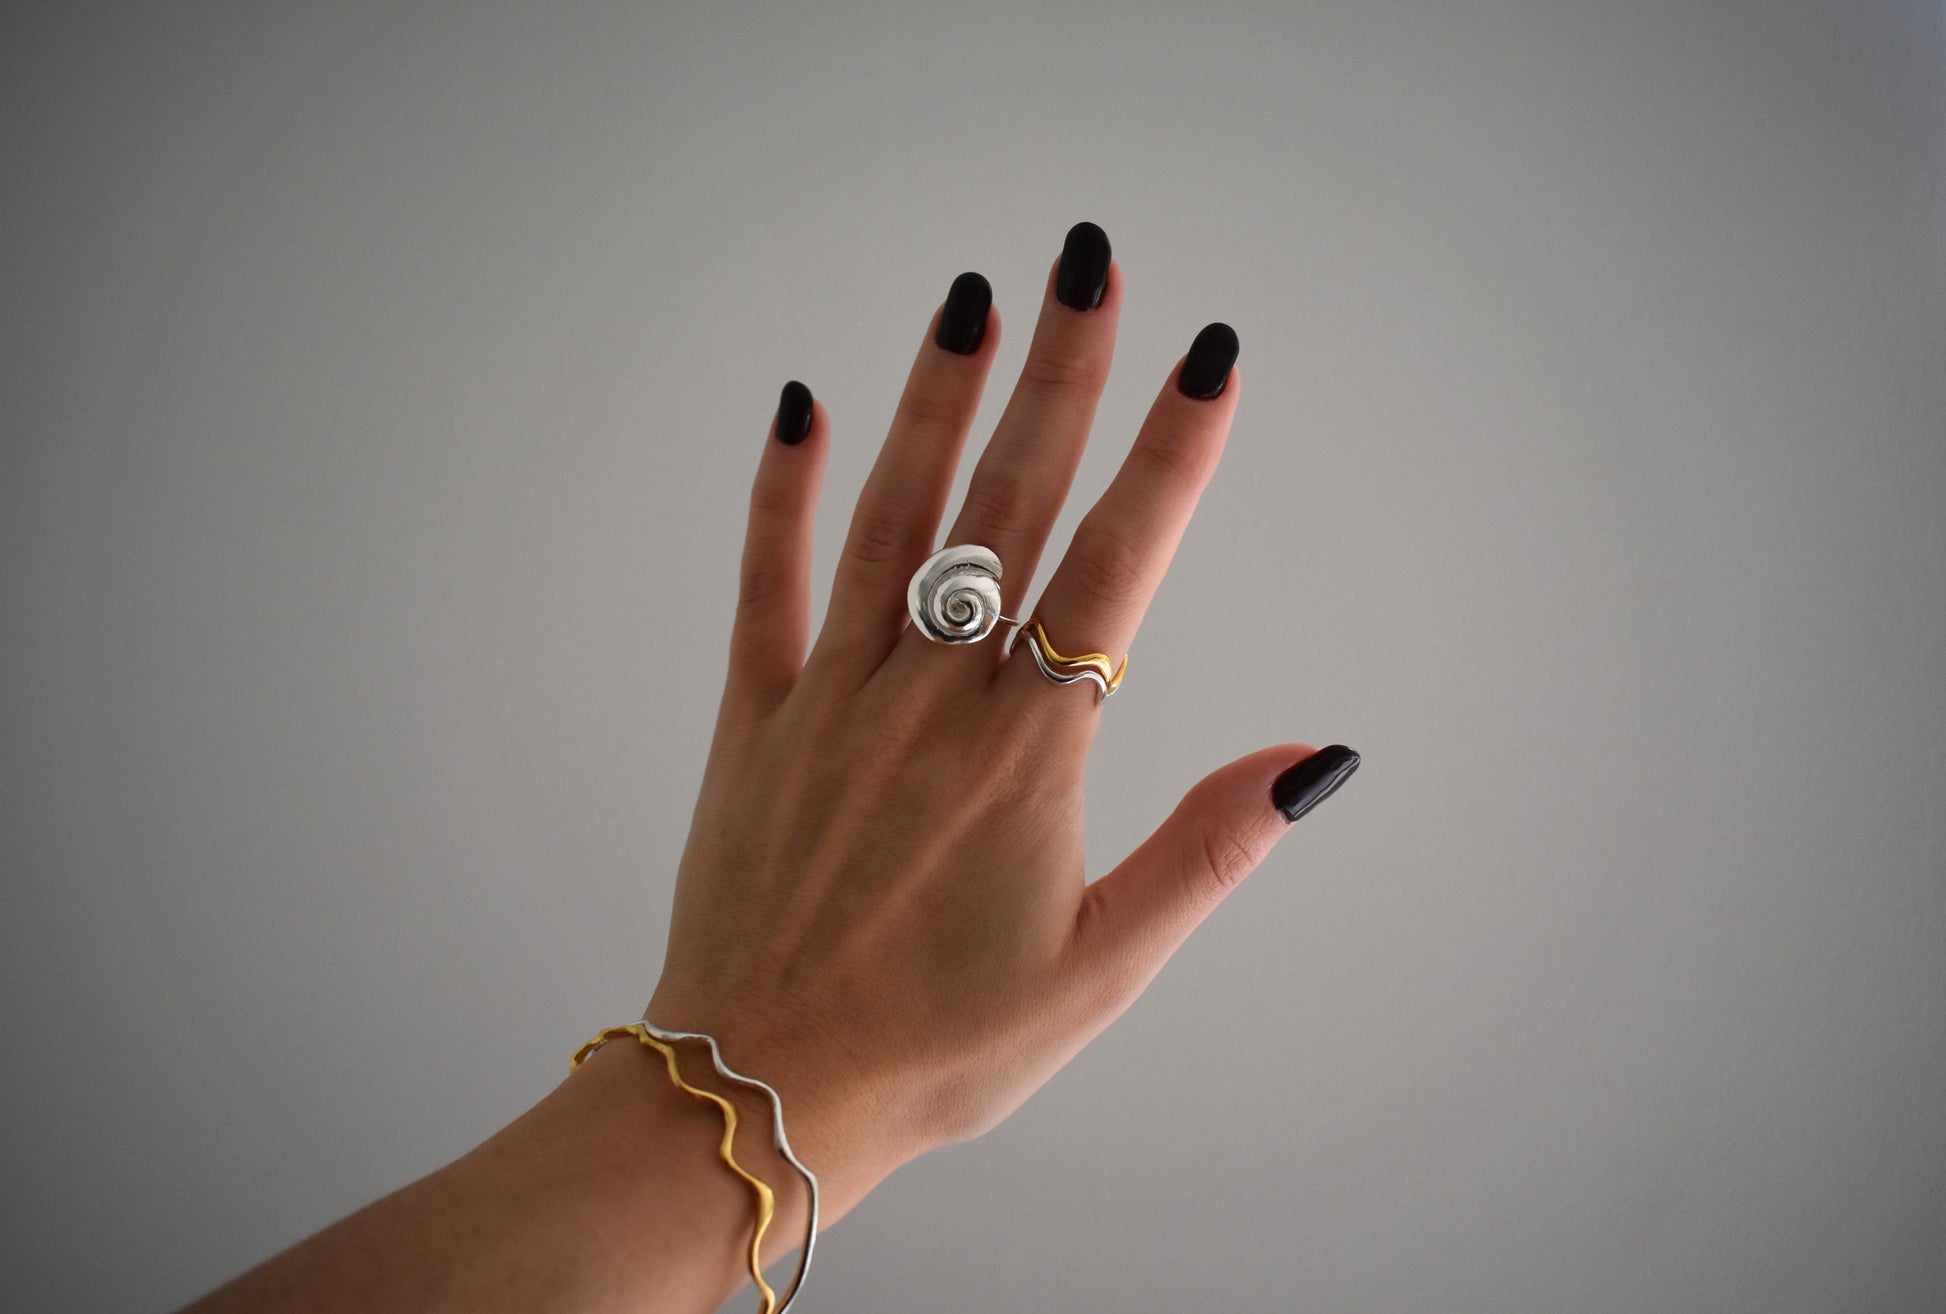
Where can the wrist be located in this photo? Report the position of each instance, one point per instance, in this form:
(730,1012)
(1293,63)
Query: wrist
(606,1195)
(838,1124)
(627,1162)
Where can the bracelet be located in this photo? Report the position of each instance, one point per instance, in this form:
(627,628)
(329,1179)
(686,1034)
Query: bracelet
(782,1142)
(766,1199)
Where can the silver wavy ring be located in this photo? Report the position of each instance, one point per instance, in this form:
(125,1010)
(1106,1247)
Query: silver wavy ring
(1103,692)
(777,1135)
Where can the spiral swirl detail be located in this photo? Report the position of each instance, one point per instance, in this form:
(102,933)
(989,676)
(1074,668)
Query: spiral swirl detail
(955,596)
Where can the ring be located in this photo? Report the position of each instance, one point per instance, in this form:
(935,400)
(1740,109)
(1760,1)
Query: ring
(954,597)
(1091,666)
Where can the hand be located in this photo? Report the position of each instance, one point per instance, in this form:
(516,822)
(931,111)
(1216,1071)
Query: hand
(882,908)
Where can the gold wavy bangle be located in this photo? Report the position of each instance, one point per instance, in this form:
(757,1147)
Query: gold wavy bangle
(766,1198)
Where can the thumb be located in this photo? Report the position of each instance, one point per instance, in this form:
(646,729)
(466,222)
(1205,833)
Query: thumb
(1137,915)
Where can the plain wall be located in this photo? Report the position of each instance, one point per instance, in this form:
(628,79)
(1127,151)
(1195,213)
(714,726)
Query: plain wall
(382,386)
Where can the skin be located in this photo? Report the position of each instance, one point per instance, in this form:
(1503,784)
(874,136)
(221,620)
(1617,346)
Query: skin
(882,908)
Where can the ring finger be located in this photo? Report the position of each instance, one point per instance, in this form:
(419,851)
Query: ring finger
(1123,546)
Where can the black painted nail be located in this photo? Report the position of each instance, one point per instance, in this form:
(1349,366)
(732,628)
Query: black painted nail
(793,414)
(1207,367)
(1083,275)
(964,320)
(1312,781)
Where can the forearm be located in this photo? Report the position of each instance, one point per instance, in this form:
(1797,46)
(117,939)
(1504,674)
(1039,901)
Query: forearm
(607,1194)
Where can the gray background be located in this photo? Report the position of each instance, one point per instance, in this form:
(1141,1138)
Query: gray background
(382,388)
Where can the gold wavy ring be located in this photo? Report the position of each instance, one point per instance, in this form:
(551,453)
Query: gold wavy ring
(1097,661)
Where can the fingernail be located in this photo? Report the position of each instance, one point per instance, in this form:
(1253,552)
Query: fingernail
(964,320)
(1312,781)
(1083,275)
(1207,367)
(793,414)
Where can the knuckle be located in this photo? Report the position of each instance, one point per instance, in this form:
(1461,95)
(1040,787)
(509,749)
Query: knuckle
(1177,461)
(1107,568)
(927,411)
(1227,855)
(1047,372)
(999,500)
(764,585)
(879,535)
(773,498)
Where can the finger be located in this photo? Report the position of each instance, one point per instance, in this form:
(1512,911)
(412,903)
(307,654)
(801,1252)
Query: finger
(1023,476)
(773,615)
(1137,915)
(897,517)
(1123,546)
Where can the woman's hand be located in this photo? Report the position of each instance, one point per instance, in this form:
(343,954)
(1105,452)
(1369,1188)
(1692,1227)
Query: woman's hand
(883,908)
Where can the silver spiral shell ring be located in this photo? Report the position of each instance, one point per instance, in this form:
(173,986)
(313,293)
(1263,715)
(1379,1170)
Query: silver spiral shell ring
(954,597)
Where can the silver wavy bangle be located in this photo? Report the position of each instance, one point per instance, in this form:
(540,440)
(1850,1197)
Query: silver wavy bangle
(777,1134)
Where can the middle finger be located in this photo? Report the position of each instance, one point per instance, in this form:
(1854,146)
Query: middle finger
(1024,474)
